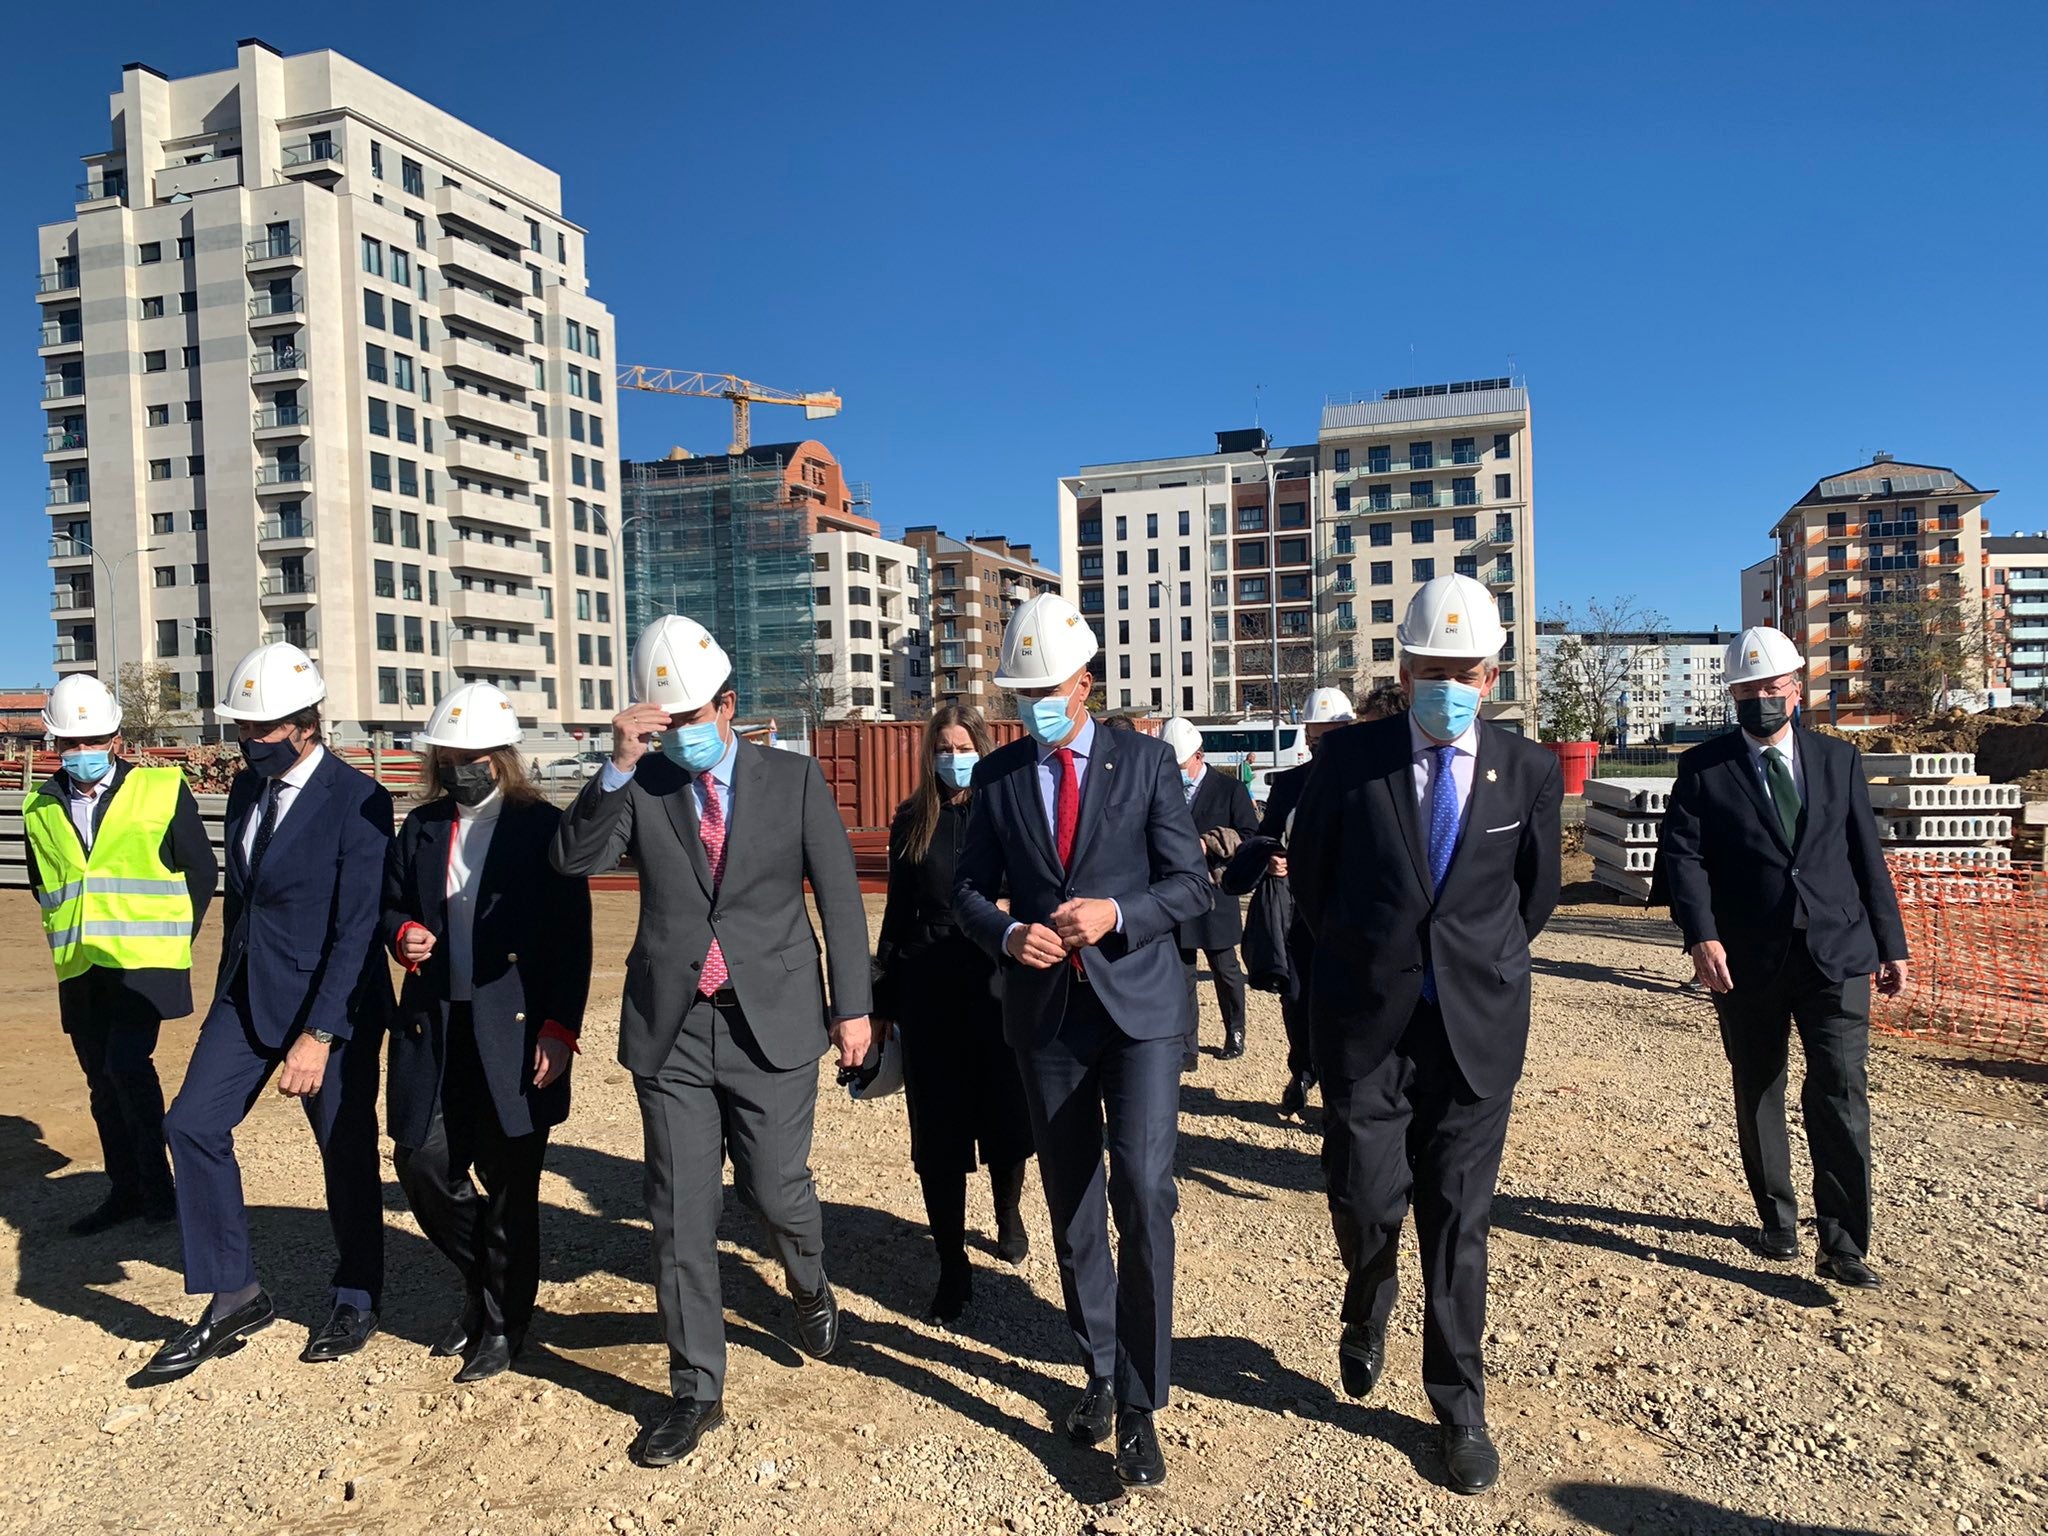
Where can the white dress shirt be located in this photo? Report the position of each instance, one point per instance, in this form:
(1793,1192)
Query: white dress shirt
(1463,764)
(288,787)
(83,802)
(1789,745)
(469,846)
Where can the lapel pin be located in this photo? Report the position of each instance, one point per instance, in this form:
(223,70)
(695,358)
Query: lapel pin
(1492,775)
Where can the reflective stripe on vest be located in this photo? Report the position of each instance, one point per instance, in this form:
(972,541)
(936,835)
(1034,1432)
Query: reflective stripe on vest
(119,906)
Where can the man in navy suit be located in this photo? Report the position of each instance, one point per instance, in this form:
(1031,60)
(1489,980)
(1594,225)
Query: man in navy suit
(1087,833)
(303,993)
(1769,856)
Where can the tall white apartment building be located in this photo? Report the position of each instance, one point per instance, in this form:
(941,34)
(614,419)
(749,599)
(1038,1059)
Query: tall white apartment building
(1429,481)
(2016,597)
(1760,594)
(1668,679)
(1188,569)
(870,599)
(320,364)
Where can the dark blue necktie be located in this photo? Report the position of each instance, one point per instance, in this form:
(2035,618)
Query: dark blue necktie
(1443,837)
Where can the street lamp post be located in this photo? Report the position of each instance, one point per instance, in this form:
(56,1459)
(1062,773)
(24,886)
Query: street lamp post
(617,531)
(114,626)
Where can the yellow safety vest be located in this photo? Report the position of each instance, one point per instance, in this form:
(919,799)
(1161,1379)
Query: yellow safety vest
(120,906)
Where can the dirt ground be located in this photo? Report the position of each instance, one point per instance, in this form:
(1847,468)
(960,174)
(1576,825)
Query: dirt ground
(1648,1374)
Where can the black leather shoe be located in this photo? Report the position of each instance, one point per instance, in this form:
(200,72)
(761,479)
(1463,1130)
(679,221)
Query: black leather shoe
(675,1434)
(1090,1419)
(1846,1269)
(1294,1097)
(159,1212)
(956,1289)
(1013,1243)
(1777,1245)
(490,1356)
(1469,1458)
(1189,1062)
(817,1322)
(1361,1357)
(1233,1045)
(107,1215)
(1139,1463)
(463,1332)
(205,1339)
(346,1330)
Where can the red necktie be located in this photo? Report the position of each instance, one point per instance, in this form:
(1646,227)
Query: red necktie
(1066,812)
(712,827)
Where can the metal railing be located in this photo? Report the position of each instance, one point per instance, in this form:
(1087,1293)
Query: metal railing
(274,529)
(68,496)
(311,152)
(284,360)
(274,248)
(60,333)
(284,474)
(265,305)
(57,281)
(278,634)
(283,416)
(72,651)
(57,440)
(285,586)
(68,599)
(106,186)
(63,388)
(65,547)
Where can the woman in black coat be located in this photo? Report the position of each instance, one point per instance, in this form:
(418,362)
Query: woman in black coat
(941,991)
(496,947)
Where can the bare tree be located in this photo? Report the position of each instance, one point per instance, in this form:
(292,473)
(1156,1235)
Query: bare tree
(1615,638)
(152,705)
(822,687)
(1924,646)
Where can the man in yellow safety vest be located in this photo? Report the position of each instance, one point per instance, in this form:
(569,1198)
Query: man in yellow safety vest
(121,866)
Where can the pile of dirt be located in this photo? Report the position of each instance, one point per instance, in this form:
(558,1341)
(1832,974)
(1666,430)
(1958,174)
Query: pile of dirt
(2008,743)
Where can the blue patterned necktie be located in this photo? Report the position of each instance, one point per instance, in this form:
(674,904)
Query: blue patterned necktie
(1443,837)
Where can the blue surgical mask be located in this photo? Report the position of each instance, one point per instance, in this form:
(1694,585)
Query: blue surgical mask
(89,765)
(1047,720)
(1187,780)
(694,747)
(956,769)
(1445,710)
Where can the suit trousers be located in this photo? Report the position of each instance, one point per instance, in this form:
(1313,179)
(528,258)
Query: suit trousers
(1092,1089)
(1229,978)
(715,1094)
(1833,1019)
(492,1236)
(113,1033)
(1411,1131)
(229,1068)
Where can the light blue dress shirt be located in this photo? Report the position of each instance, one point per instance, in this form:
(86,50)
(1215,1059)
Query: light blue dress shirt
(721,770)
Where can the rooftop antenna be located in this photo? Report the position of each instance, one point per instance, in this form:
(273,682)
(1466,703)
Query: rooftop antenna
(1256,390)
(1411,363)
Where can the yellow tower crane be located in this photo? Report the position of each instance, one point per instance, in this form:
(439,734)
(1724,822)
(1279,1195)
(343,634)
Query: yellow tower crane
(743,394)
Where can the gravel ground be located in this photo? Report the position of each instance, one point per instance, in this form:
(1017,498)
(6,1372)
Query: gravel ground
(1648,1373)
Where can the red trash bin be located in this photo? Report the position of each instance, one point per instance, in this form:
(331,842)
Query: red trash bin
(1576,758)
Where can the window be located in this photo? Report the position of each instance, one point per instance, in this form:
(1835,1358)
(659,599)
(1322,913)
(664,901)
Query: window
(1503,487)
(1343,498)
(1422,455)
(1251,519)
(387,631)
(401,268)
(380,471)
(159,522)
(386,584)
(1424,570)
(189,357)
(1465,565)
(1383,573)
(153,308)
(192,410)
(409,530)
(1379,460)
(380,524)
(415,686)
(150,253)
(166,575)
(373,256)
(373,308)
(1343,460)
(419,233)
(408,425)
(410,579)
(412,178)
(401,319)
(380,423)
(377,170)
(415,635)
(1422,530)
(153,362)
(1293,514)
(159,469)
(1382,650)
(1380,535)
(1383,610)
(159,415)
(195,466)
(401,372)
(188,302)
(1500,445)
(184,247)
(1464,529)
(1290,552)
(374,365)
(167,637)
(1251,589)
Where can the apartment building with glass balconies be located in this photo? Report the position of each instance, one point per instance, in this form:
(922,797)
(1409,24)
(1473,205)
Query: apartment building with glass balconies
(2016,595)
(1433,480)
(976,584)
(320,364)
(869,600)
(1865,546)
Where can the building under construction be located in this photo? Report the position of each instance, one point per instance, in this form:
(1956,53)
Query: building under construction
(726,539)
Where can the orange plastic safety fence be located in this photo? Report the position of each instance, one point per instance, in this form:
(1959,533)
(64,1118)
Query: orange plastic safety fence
(1978,977)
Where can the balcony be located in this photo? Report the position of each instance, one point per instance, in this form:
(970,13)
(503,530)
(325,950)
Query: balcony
(58,443)
(275,250)
(1344,584)
(509,370)
(292,634)
(485,313)
(271,478)
(469,455)
(108,187)
(207,174)
(463,206)
(283,421)
(66,389)
(59,335)
(282,363)
(272,308)
(496,656)
(516,512)
(493,559)
(68,496)
(60,284)
(483,607)
(67,653)
(285,532)
(1407,501)
(311,159)
(71,602)
(459,255)
(509,418)
(1498,576)
(64,549)
(294,587)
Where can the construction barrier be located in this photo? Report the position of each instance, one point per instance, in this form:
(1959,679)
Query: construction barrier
(1979,969)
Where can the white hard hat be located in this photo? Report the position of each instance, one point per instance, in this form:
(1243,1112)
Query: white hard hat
(81,706)
(1452,616)
(678,665)
(1181,735)
(881,1075)
(1046,642)
(1328,704)
(1761,652)
(269,683)
(474,718)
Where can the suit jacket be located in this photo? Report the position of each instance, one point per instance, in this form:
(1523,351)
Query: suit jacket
(529,964)
(186,849)
(1283,794)
(1135,843)
(1219,801)
(307,930)
(1358,864)
(784,829)
(1725,868)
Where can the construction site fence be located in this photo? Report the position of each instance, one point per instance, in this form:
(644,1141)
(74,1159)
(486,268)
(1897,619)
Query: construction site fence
(1978,974)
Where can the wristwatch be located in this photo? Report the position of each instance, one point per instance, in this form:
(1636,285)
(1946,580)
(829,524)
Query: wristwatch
(321,1036)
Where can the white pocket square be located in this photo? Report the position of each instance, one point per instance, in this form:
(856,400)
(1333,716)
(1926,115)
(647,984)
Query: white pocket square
(1508,828)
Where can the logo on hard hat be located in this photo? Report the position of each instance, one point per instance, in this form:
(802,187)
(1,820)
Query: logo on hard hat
(704,644)
(1450,621)
(248,685)
(1073,621)
(1024,643)
(1754,654)
(660,673)
(298,666)
(455,713)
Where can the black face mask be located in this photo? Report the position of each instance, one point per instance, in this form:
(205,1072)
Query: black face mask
(469,783)
(272,759)
(1763,718)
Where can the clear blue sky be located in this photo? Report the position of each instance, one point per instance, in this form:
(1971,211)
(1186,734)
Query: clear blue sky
(1731,247)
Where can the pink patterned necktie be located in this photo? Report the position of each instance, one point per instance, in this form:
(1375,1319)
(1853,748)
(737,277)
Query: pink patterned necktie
(712,826)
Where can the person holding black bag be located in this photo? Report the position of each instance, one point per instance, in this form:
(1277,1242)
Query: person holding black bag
(942,993)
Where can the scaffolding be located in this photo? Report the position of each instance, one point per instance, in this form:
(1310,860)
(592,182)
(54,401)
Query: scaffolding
(721,539)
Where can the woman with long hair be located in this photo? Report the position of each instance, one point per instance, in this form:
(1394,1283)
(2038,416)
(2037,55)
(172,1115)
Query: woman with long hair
(941,991)
(496,947)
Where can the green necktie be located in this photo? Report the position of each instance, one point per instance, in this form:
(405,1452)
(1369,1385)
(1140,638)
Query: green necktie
(1784,792)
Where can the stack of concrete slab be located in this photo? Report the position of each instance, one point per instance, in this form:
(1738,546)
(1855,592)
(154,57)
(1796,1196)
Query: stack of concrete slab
(1935,811)
(1622,821)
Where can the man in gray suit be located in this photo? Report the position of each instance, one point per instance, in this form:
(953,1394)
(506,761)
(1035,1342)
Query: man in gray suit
(724,1016)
